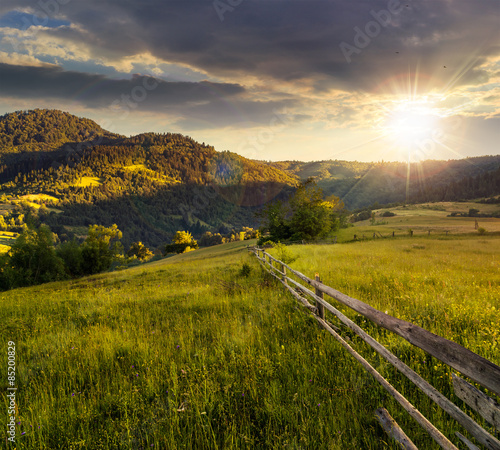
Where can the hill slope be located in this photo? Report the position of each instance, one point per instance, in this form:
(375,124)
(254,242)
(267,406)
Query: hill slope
(362,184)
(150,185)
(46,130)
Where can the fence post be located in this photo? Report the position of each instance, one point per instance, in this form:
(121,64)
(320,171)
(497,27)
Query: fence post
(283,277)
(320,308)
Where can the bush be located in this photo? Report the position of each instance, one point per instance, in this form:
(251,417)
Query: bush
(388,214)
(245,270)
(284,254)
(266,243)
(481,231)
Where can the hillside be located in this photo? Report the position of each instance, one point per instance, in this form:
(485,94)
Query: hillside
(150,185)
(362,184)
(193,352)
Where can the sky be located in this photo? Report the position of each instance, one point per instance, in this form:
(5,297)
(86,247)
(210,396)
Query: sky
(268,79)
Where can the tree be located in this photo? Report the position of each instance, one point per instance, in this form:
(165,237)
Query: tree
(208,239)
(311,215)
(140,251)
(182,242)
(183,237)
(32,260)
(72,255)
(275,221)
(100,248)
(307,216)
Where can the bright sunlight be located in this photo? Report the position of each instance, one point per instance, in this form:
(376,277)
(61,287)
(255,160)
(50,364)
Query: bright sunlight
(410,123)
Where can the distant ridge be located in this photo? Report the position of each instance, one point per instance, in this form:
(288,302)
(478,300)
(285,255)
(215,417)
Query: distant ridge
(154,184)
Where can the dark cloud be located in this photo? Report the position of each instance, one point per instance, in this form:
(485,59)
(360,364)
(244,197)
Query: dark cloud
(99,91)
(290,40)
(274,41)
(205,103)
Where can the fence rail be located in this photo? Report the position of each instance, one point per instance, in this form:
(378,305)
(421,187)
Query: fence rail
(463,360)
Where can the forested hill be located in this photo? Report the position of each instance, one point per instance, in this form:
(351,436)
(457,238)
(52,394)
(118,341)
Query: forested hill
(360,184)
(153,185)
(46,130)
(150,185)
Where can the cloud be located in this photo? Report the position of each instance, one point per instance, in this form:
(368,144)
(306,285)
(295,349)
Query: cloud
(204,103)
(284,40)
(263,55)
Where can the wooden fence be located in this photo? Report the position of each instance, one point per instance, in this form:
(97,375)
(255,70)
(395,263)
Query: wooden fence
(461,359)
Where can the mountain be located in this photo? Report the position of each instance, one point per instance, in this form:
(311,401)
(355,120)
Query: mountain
(361,184)
(150,185)
(46,130)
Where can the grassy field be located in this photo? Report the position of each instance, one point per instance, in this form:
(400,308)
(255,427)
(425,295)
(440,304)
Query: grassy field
(189,352)
(7,238)
(89,181)
(424,218)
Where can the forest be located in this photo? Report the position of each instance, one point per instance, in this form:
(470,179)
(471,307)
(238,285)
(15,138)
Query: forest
(152,185)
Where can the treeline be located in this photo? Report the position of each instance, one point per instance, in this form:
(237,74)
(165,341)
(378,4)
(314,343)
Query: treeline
(34,258)
(484,185)
(43,129)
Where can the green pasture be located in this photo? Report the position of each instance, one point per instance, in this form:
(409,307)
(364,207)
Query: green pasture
(7,238)
(424,220)
(205,351)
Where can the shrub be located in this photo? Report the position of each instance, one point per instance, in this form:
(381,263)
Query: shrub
(267,244)
(245,270)
(284,254)
(481,231)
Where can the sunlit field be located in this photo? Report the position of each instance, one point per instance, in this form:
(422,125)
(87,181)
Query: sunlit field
(431,219)
(194,351)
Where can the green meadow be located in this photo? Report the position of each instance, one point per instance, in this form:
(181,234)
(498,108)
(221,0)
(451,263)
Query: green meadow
(204,350)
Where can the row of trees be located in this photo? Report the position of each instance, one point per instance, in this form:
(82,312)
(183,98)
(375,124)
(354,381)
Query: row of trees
(38,256)
(35,257)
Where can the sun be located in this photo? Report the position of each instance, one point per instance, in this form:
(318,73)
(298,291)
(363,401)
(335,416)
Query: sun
(409,124)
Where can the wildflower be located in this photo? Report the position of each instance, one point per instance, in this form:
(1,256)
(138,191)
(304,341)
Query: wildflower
(73,394)
(23,433)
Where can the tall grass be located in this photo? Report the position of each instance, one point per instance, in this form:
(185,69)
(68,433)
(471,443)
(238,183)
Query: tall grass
(194,352)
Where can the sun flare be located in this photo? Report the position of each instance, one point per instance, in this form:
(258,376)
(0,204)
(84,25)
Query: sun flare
(409,125)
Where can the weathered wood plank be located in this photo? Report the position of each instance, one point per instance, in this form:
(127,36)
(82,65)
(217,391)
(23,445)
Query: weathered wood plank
(465,361)
(488,408)
(476,430)
(466,441)
(414,412)
(454,411)
(392,428)
(319,306)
